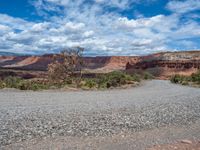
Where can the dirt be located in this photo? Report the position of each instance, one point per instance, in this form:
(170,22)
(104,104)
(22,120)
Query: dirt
(180,145)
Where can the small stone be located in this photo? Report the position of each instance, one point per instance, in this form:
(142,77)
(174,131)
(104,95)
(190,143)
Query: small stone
(186,141)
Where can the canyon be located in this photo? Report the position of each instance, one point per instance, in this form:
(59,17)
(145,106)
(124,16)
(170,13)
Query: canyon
(162,64)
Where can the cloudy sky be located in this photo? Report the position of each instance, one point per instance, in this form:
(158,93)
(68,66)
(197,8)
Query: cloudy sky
(102,27)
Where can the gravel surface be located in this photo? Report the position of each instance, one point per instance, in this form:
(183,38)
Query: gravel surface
(156,112)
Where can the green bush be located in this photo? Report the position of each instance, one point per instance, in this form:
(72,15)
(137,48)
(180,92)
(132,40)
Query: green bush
(185,83)
(177,79)
(2,84)
(185,80)
(31,85)
(196,77)
(12,82)
(115,79)
(148,76)
(90,83)
(68,81)
(136,77)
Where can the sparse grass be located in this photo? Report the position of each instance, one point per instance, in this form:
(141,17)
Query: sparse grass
(194,79)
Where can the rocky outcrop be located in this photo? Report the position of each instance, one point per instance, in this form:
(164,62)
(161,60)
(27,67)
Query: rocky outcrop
(176,64)
(170,60)
(168,63)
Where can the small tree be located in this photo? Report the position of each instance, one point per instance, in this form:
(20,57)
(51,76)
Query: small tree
(67,65)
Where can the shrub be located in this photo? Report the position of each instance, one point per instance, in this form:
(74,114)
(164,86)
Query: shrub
(176,79)
(90,83)
(185,80)
(148,76)
(32,85)
(115,79)
(136,77)
(185,83)
(2,84)
(12,82)
(66,65)
(68,81)
(196,77)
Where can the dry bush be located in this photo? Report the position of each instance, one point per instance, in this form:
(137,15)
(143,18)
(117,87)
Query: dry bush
(67,66)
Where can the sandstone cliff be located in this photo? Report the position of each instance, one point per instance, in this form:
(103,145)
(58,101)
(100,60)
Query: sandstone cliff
(166,64)
(162,63)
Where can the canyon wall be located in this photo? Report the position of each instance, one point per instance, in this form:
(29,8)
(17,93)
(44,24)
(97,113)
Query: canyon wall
(166,63)
(101,64)
(169,63)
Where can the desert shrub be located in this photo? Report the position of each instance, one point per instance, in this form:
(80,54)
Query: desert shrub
(177,79)
(68,64)
(90,83)
(195,77)
(12,82)
(68,81)
(185,80)
(112,79)
(136,77)
(24,85)
(2,84)
(147,76)
(115,79)
(32,85)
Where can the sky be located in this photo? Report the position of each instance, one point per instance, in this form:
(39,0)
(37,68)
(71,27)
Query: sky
(102,27)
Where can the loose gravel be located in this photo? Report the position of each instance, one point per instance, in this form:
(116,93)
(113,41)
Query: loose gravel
(25,116)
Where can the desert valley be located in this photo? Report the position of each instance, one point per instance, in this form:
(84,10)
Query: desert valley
(162,65)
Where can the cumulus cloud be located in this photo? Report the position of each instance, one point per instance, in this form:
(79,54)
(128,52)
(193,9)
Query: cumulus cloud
(4,29)
(92,25)
(183,6)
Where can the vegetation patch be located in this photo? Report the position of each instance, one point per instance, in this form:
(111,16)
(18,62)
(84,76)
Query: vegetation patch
(102,81)
(193,80)
(112,79)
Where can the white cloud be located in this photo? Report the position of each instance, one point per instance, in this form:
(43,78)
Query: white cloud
(39,27)
(183,6)
(15,23)
(160,23)
(93,27)
(88,33)
(4,29)
(121,4)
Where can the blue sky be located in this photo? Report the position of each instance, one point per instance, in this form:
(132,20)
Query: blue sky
(102,27)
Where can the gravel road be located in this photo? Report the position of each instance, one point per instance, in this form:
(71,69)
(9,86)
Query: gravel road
(154,113)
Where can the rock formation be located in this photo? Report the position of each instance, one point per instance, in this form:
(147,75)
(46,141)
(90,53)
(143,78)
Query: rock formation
(165,63)
(169,63)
